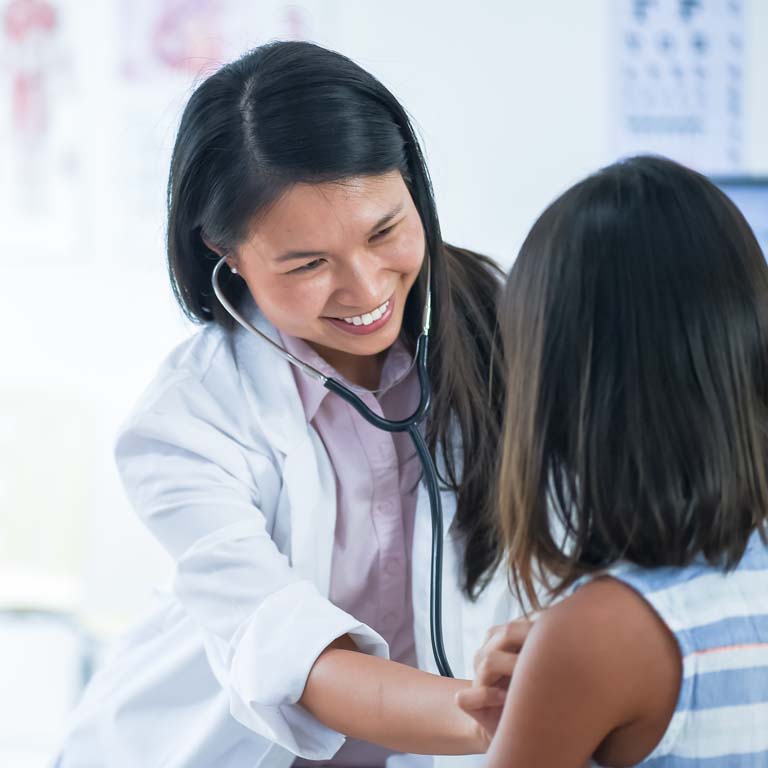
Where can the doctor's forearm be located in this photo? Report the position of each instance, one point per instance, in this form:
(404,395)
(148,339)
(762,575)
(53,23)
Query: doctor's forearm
(389,704)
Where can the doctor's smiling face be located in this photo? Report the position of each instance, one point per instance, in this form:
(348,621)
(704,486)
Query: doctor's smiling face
(332,263)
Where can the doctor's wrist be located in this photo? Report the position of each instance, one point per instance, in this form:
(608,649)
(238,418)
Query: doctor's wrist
(472,737)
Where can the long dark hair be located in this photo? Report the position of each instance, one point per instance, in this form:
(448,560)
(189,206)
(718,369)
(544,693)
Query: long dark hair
(291,112)
(635,323)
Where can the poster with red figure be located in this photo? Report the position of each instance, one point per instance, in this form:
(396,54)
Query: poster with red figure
(166,48)
(40,156)
(186,38)
(90,98)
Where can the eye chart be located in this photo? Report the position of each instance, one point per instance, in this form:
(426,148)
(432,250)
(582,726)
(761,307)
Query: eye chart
(679,81)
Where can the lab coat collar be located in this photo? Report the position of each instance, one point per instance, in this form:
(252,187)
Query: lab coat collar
(311,391)
(278,406)
(309,481)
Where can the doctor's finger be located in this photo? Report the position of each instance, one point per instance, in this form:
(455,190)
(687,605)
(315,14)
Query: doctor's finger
(509,636)
(474,699)
(494,668)
(492,632)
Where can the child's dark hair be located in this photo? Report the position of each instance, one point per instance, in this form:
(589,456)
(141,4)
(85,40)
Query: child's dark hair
(635,325)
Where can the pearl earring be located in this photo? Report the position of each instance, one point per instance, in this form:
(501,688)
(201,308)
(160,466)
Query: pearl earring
(233,270)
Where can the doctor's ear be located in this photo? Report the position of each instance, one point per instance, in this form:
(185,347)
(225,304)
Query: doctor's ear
(211,247)
(231,262)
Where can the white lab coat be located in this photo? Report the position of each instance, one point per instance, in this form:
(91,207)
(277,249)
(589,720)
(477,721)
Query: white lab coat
(222,467)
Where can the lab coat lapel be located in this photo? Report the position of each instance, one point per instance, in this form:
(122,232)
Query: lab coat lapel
(311,487)
(309,481)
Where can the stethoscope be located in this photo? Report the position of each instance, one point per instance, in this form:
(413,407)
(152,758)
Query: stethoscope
(409,425)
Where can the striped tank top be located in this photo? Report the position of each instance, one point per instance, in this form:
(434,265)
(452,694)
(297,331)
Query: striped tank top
(720,621)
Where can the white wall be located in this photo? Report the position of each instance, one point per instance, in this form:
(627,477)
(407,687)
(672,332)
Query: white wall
(512,99)
(511,104)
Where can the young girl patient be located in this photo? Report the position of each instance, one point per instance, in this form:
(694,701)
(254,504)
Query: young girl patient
(634,483)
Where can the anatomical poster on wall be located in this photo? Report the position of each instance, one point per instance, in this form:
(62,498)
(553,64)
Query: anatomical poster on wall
(166,48)
(41,180)
(90,98)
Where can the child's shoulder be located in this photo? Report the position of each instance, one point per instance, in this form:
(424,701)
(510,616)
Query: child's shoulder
(611,628)
(609,648)
(608,626)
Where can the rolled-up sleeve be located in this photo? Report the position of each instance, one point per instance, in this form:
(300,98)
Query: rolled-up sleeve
(199,488)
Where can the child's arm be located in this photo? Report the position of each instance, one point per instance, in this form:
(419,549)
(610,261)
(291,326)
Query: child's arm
(598,675)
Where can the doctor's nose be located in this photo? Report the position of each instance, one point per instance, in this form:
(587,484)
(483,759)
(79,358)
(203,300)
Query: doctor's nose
(363,284)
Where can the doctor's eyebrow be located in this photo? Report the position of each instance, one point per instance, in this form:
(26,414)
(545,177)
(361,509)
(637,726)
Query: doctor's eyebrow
(384,220)
(380,224)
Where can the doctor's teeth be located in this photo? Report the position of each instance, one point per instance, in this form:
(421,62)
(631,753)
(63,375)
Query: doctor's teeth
(368,317)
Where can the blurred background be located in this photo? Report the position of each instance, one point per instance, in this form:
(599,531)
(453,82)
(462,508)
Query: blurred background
(514,101)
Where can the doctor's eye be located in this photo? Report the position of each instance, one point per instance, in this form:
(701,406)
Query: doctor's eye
(308,267)
(383,232)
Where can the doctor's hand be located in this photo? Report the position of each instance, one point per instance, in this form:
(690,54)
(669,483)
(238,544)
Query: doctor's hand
(494,666)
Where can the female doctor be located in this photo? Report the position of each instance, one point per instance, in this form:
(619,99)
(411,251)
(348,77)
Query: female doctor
(298,614)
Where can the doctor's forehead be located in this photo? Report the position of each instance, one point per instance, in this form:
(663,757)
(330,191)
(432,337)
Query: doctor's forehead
(317,216)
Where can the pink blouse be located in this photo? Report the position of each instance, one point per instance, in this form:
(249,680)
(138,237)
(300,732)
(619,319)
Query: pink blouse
(377,475)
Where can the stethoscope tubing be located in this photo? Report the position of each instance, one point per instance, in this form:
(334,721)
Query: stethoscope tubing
(409,425)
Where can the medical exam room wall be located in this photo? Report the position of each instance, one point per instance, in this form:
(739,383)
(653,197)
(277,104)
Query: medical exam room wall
(513,102)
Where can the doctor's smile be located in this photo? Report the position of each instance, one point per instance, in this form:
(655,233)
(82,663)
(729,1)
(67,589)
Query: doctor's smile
(367,322)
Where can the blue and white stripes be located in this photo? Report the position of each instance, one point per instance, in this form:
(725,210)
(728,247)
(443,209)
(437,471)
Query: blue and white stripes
(720,621)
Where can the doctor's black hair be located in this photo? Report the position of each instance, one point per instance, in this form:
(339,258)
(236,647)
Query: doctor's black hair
(291,112)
